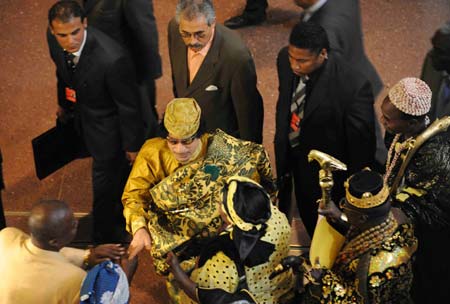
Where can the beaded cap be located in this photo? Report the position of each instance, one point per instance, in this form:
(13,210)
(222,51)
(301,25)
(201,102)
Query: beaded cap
(182,117)
(411,96)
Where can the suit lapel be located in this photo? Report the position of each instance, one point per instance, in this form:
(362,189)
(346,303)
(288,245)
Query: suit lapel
(85,62)
(291,86)
(182,71)
(64,69)
(319,92)
(179,60)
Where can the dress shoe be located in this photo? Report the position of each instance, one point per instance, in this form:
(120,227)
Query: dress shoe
(242,21)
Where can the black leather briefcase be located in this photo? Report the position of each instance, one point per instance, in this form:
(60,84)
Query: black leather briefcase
(57,147)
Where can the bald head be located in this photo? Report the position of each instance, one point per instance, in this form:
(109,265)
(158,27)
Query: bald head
(52,224)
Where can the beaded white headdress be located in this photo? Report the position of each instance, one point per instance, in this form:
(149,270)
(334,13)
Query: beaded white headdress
(411,96)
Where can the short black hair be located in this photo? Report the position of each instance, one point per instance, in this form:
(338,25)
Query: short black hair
(65,10)
(310,36)
(47,219)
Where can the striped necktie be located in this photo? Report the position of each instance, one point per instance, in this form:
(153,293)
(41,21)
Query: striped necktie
(297,110)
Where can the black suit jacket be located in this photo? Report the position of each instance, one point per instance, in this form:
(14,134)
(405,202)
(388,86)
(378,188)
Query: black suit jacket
(338,120)
(107,97)
(434,79)
(225,85)
(132,24)
(341,19)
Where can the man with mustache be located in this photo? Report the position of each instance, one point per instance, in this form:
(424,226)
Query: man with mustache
(97,90)
(211,64)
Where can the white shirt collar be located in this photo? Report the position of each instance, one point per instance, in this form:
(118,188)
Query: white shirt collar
(78,53)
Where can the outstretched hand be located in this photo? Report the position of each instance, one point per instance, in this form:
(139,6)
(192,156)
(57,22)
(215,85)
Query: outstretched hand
(182,278)
(106,252)
(141,240)
(172,261)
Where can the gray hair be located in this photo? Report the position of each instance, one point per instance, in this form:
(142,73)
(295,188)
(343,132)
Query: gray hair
(191,9)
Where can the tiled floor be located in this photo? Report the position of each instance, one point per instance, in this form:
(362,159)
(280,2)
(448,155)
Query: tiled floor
(397,37)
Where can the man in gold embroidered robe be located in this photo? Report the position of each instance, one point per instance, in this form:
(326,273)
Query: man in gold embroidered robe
(172,196)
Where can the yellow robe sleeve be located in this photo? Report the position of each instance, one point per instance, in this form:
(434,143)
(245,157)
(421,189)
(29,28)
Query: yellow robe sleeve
(153,163)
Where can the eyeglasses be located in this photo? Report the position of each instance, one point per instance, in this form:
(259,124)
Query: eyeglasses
(184,141)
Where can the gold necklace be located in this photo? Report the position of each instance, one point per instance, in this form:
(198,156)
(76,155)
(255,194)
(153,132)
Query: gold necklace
(368,239)
(398,147)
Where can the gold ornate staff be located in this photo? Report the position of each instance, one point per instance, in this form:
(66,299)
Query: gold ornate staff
(326,241)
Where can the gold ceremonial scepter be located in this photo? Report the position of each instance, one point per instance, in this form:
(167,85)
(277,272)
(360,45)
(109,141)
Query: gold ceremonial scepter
(328,164)
(326,241)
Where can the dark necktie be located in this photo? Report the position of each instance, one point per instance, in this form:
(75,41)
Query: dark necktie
(69,57)
(297,110)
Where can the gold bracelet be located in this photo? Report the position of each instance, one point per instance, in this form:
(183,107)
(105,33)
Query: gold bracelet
(87,255)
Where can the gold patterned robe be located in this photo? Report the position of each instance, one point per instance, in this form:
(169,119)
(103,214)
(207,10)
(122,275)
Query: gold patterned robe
(386,279)
(179,203)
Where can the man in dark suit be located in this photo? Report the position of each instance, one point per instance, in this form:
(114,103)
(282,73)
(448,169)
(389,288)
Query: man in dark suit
(436,72)
(96,85)
(132,24)
(323,104)
(211,64)
(341,19)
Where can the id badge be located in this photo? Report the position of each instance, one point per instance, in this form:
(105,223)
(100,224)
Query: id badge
(71,95)
(295,122)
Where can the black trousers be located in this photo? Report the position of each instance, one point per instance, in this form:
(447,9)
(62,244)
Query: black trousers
(305,180)
(255,9)
(108,181)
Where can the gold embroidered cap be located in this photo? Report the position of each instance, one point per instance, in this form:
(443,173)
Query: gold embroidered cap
(411,96)
(366,189)
(182,117)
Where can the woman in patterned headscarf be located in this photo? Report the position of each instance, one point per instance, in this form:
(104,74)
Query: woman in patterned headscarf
(237,265)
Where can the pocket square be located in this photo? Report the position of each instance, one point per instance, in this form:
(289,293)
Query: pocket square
(211,88)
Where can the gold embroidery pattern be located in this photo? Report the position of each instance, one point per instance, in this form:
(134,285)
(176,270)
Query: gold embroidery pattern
(187,202)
